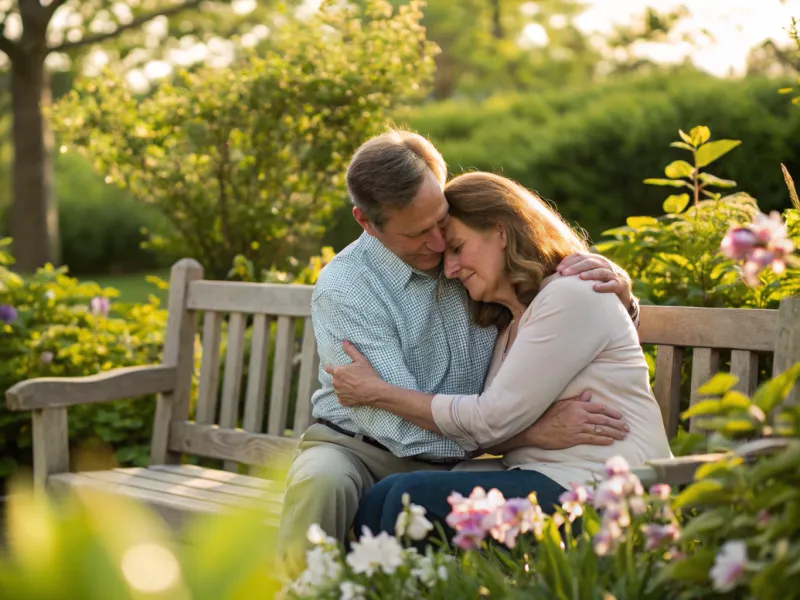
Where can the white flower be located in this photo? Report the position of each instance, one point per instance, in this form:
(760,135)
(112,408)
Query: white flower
(372,553)
(317,536)
(412,522)
(728,566)
(322,566)
(351,591)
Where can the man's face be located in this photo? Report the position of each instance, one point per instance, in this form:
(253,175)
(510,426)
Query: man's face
(414,233)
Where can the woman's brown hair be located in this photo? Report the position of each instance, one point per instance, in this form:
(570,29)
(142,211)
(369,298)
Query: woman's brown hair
(537,237)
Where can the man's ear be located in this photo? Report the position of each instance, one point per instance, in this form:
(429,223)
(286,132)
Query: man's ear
(362,220)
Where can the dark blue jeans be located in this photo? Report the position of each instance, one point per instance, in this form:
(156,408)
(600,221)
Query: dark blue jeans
(381,505)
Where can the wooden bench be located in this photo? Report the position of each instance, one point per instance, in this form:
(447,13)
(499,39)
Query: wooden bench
(228,422)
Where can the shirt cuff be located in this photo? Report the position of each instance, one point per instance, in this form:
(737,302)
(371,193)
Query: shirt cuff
(442,407)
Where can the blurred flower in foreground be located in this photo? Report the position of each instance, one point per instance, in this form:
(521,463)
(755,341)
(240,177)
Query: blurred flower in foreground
(764,243)
(412,522)
(100,306)
(728,566)
(8,314)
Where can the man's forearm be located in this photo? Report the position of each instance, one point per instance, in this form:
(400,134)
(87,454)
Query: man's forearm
(411,405)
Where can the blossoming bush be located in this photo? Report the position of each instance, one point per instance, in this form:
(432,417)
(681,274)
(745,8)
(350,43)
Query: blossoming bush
(51,325)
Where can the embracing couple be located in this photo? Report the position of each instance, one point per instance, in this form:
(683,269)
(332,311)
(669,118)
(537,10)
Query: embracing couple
(468,319)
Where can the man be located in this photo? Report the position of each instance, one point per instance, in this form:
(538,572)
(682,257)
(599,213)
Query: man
(385,294)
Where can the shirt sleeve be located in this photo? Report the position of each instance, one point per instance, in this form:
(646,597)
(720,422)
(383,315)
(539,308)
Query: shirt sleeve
(373,332)
(568,327)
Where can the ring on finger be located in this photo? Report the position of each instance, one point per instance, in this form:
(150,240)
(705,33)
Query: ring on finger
(597,429)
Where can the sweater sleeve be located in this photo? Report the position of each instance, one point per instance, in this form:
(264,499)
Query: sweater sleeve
(567,327)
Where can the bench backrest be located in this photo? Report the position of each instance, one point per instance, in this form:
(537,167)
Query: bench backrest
(229,417)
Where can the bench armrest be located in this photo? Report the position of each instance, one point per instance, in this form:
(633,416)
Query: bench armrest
(55,392)
(681,470)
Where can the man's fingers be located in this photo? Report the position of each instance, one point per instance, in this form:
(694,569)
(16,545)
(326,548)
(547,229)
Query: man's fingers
(351,351)
(613,287)
(329,369)
(603,409)
(607,422)
(599,274)
(571,260)
(594,440)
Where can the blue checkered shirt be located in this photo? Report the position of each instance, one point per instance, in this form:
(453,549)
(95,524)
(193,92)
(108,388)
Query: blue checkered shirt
(414,329)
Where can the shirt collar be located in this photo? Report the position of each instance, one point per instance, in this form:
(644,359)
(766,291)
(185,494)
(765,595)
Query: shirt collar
(393,268)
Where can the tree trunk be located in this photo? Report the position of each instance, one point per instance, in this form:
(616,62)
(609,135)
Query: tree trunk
(497,22)
(34,217)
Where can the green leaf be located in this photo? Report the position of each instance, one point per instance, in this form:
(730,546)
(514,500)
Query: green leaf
(771,394)
(678,168)
(682,145)
(704,523)
(702,492)
(700,135)
(704,407)
(685,136)
(785,90)
(719,466)
(710,179)
(718,384)
(693,569)
(711,151)
(640,222)
(665,182)
(734,399)
(675,203)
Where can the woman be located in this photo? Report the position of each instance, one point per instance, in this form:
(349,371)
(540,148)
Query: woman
(558,338)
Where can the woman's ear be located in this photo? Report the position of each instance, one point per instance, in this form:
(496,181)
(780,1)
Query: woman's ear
(501,231)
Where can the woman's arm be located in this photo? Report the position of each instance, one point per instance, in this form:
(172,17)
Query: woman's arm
(568,327)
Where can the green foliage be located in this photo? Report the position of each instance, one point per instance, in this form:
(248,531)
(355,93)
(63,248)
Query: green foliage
(56,334)
(95,546)
(675,260)
(248,160)
(587,148)
(101,225)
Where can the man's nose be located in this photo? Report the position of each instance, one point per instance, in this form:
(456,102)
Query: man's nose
(451,266)
(436,241)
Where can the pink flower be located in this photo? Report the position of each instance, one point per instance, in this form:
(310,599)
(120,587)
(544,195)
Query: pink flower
(617,466)
(516,516)
(467,515)
(661,491)
(657,535)
(738,243)
(764,243)
(728,566)
(470,537)
(609,493)
(100,306)
(603,542)
(573,501)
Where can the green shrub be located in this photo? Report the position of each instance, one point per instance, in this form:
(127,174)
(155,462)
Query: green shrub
(49,328)
(587,148)
(101,226)
(249,160)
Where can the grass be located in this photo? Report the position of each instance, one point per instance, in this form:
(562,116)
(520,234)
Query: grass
(133,287)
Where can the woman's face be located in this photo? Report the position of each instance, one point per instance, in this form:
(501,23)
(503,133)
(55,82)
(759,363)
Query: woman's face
(476,258)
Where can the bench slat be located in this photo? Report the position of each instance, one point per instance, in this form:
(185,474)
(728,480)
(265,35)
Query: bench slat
(196,472)
(667,388)
(208,387)
(705,363)
(745,366)
(252,298)
(232,378)
(255,397)
(261,494)
(721,328)
(308,381)
(281,376)
(257,449)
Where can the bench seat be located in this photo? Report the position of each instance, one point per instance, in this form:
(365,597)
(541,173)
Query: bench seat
(176,492)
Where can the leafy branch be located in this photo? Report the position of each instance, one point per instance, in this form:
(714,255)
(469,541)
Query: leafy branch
(133,24)
(681,173)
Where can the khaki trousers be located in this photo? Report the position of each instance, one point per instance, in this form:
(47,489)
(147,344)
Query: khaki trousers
(329,475)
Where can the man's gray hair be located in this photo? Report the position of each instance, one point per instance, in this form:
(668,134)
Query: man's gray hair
(388,170)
